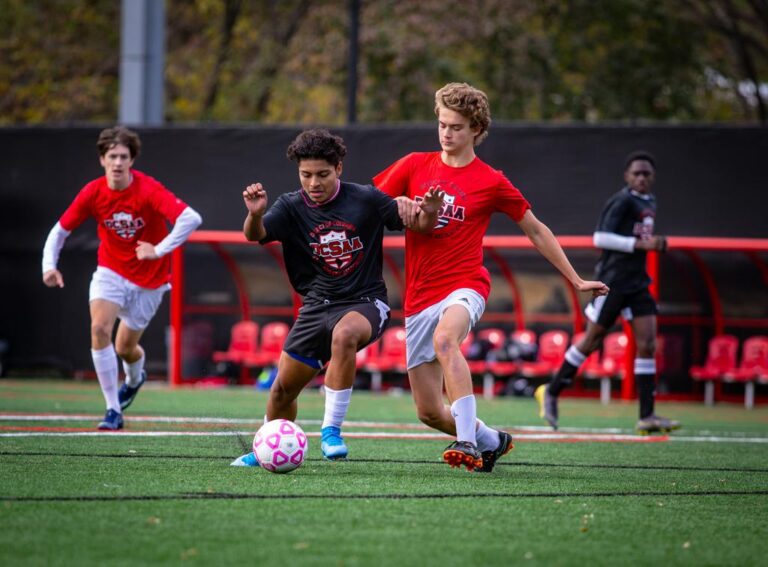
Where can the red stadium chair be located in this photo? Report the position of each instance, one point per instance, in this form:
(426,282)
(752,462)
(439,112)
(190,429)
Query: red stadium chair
(610,365)
(505,368)
(525,336)
(552,347)
(273,337)
(243,342)
(496,339)
(753,367)
(363,359)
(721,358)
(467,343)
(390,356)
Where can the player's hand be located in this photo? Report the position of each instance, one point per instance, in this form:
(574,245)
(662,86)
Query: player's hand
(408,209)
(255,198)
(433,200)
(53,278)
(146,251)
(597,288)
(657,243)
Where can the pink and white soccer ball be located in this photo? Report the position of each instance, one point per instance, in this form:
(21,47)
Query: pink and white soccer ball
(280,446)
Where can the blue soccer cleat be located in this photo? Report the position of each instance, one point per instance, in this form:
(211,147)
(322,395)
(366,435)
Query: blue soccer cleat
(331,443)
(247,460)
(112,421)
(126,393)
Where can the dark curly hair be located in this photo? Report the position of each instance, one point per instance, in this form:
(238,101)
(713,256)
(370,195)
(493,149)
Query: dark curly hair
(111,137)
(317,144)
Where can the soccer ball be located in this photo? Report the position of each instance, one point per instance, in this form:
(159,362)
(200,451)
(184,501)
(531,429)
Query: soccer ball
(280,446)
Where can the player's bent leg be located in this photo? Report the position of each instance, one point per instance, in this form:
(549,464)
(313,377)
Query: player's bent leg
(128,349)
(427,389)
(292,377)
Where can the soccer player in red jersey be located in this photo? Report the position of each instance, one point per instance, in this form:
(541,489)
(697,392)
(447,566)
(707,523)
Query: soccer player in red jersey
(446,281)
(132,211)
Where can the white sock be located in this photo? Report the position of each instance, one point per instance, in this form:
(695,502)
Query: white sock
(105,364)
(336,404)
(574,356)
(487,438)
(464,411)
(133,371)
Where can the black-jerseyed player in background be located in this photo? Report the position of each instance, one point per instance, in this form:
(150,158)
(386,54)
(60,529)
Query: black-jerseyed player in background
(625,234)
(331,232)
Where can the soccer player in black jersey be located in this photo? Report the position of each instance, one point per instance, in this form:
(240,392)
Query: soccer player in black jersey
(625,234)
(331,232)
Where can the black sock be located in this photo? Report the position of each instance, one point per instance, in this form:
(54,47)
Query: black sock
(563,378)
(646,389)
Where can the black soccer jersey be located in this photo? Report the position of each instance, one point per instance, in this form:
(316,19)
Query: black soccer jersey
(334,250)
(626,213)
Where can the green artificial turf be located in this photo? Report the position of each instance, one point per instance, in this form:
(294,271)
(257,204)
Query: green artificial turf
(121,500)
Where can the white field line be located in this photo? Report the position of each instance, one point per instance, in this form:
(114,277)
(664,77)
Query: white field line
(522,437)
(350,434)
(522,433)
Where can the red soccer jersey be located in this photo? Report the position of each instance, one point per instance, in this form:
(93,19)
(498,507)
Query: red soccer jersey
(451,257)
(142,211)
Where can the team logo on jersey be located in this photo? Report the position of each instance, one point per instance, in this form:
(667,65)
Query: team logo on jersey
(336,249)
(448,212)
(124,225)
(644,229)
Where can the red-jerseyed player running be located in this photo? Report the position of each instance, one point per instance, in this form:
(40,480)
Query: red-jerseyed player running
(132,211)
(446,281)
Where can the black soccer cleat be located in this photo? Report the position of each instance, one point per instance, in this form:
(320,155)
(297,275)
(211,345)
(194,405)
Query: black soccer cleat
(464,453)
(490,457)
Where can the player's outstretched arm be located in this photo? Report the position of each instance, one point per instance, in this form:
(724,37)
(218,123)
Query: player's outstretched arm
(255,199)
(548,246)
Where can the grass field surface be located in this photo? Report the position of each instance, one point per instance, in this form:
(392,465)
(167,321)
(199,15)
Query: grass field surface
(162,490)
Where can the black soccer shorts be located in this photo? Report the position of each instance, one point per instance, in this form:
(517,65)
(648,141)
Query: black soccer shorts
(605,309)
(309,340)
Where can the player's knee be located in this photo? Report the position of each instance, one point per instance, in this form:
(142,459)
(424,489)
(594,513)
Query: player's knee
(344,339)
(444,344)
(429,417)
(431,414)
(101,334)
(281,395)
(646,347)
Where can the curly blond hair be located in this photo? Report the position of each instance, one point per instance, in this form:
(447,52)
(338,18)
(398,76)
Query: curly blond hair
(468,101)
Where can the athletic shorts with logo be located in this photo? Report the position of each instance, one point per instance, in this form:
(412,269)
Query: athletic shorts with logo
(420,327)
(310,337)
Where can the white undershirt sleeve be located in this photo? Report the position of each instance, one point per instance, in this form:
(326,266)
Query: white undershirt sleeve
(185,224)
(613,241)
(53,245)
